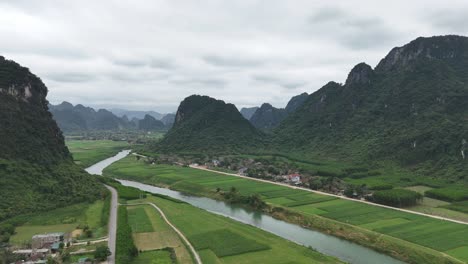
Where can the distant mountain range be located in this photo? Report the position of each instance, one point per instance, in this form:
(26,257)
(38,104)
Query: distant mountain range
(412,109)
(247,112)
(136,114)
(268,117)
(80,118)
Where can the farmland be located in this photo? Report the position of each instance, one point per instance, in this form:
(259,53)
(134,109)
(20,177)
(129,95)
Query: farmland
(150,232)
(87,152)
(64,219)
(153,257)
(218,239)
(433,235)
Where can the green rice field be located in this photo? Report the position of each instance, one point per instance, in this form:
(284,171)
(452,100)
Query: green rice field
(442,236)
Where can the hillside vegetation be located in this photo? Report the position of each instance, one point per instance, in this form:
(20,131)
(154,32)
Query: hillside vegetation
(204,124)
(36,169)
(410,110)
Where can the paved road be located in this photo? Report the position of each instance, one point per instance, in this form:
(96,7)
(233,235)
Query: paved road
(334,195)
(112,224)
(194,252)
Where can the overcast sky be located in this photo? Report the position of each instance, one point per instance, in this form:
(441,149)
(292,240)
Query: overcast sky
(149,55)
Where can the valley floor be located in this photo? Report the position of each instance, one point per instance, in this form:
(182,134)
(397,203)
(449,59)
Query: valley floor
(407,236)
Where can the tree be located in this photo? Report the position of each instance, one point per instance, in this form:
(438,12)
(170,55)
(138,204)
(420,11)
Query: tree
(101,253)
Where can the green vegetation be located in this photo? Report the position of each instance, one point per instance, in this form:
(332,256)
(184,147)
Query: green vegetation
(397,197)
(66,219)
(458,206)
(37,173)
(451,194)
(226,243)
(125,247)
(139,220)
(221,240)
(209,125)
(151,232)
(28,188)
(401,238)
(154,257)
(88,152)
(101,253)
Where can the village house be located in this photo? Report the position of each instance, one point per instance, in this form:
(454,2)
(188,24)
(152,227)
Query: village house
(47,240)
(32,253)
(294,178)
(242,171)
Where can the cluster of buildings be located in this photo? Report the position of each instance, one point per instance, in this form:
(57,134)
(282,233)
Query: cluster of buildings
(42,246)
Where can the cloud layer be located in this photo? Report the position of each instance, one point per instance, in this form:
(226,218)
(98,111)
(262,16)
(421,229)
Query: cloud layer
(152,54)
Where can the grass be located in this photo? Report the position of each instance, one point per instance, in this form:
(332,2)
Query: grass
(88,152)
(153,257)
(428,232)
(139,220)
(75,258)
(64,219)
(158,234)
(222,240)
(458,206)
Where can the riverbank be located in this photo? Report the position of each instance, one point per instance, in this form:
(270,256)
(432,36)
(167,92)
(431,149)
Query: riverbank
(429,240)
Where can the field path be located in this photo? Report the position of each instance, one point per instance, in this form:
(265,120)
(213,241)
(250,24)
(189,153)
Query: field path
(333,195)
(112,224)
(194,252)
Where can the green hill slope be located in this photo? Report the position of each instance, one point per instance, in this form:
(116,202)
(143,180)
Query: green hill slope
(204,124)
(36,169)
(412,110)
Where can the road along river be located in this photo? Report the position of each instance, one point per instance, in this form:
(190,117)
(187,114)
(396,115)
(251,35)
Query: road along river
(326,244)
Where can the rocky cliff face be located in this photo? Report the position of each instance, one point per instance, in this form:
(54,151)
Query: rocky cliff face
(27,129)
(361,74)
(433,48)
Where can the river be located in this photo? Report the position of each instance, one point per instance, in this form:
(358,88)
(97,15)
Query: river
(326,244)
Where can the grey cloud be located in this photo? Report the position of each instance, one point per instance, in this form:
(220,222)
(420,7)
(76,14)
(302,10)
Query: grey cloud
(454,21)
(68,77)
(140,56)
(132,63)
(223,61)
(351,30)
(207,83)
(277,81)
(160,63)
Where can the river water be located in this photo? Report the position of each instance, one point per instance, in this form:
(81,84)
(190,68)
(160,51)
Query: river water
(326,244)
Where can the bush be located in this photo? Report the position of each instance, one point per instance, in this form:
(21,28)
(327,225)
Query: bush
(125,247)
(396,197)
(101,253)
(381,187)
(451,194)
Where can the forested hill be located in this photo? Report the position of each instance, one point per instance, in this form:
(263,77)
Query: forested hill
(411,109)
(204,124)
(27,131)
(36,169)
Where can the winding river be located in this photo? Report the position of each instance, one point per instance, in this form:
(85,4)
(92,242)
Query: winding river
(326,244)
